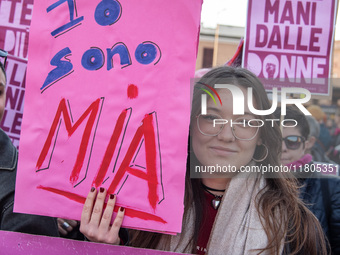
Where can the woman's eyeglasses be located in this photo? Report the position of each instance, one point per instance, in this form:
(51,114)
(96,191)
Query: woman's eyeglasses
(3,56)
(242,129)
(293,142)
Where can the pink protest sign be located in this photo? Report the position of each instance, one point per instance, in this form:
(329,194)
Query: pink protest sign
(107,105)
(289,43)
(15,18)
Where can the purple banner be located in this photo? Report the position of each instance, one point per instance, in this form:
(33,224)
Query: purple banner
(12,243)
(15,19)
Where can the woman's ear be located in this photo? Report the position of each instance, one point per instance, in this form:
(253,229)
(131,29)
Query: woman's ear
(310,142)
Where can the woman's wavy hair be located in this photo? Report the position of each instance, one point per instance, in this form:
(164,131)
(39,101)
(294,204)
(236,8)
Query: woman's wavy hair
(283,214)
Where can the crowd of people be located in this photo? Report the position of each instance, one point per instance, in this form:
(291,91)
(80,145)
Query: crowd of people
(296,212)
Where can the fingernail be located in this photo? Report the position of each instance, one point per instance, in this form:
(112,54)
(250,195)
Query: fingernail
(122,209)
(112,196)
(93,189)
(101,189)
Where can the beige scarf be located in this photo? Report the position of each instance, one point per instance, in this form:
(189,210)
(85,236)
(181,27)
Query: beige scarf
(237,228)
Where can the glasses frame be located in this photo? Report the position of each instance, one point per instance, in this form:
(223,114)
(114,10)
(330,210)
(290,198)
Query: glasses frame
(222,126)
(4,54)
(303,140)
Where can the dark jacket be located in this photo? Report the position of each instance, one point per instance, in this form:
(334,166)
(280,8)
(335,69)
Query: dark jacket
(19,222)
(321,193)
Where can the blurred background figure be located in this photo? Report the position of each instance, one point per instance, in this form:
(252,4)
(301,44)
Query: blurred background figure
(320,192)
(318,154)
(334,153)
(324,139)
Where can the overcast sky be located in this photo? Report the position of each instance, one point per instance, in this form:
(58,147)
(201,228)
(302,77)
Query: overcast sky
(231,12)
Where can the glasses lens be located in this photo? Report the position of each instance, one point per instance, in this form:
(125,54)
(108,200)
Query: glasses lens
(208,124)
(293,142)
(245,129)
(3,56)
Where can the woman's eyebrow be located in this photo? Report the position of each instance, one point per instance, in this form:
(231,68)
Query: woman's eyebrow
(217,110)
(214,109)
(249,113)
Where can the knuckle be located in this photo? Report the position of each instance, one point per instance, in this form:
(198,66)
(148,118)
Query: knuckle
(100,197)
(90,198)
(86,208)
(101,238)
(107,215)
(111,202)
(120,216)
(116,223)
(91,233)
(111,240)
(111,237)
(97,209)
(110,205)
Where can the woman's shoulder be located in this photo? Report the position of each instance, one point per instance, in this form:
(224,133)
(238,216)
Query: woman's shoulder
(8,166)
(8,153)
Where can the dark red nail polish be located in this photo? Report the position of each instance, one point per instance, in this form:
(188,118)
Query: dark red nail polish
(93,189)
(122,209)
(101,189)
(112,196)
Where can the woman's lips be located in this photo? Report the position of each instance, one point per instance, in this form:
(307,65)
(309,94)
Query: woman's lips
(285,160)
(222,151)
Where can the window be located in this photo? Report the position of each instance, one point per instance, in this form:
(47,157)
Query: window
(207,57)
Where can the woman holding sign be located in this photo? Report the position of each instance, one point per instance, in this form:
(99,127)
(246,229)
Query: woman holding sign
(231,208)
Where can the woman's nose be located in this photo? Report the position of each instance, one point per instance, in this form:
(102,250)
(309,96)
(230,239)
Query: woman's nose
(226,134)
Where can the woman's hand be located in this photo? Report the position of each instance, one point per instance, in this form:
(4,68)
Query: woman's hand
(96,224)
(66,226)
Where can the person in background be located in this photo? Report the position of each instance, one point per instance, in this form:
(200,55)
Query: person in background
(321,193)
(311,147)
(10,221)
(324,140)
(69,229)
(330,124)
(337,124)
(314,132)
(224,213)
(334,152)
